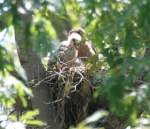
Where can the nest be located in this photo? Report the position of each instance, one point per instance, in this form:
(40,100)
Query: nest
(66,84)
(66,78)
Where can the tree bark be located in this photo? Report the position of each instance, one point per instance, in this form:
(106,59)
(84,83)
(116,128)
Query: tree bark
(35,71)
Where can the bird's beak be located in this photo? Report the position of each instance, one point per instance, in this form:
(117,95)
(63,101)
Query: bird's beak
(75,38)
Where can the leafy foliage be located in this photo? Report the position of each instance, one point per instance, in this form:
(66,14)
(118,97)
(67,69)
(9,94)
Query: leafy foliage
(119,29)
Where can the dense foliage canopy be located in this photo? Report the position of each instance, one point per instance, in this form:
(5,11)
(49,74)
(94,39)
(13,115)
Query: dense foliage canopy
(119,30)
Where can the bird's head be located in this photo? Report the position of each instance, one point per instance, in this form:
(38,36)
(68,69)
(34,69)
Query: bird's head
(76,36)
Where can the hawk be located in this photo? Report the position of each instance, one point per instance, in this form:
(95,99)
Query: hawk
(75,49)
(74,52)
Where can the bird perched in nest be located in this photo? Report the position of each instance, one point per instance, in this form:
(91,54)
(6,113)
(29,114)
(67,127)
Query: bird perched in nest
(74,52)
(75,49)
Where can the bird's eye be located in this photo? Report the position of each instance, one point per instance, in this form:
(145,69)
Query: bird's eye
(80,33)
(74,40)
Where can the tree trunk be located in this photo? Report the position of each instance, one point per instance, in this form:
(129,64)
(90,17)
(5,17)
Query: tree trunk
(35,72)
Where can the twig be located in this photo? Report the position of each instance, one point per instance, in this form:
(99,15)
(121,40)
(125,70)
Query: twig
(55,101)
(39,82)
